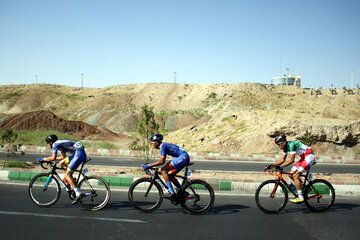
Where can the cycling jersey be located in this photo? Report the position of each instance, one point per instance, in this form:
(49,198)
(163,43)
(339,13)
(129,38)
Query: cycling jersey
(171,149)
(67,146)
(305,152)
(75,150)
(181,156)
(296,147)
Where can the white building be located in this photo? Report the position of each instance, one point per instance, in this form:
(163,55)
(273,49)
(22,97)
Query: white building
(292,80)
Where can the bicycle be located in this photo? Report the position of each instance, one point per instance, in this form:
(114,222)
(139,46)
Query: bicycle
(147,194)
(44,189)
(272,195)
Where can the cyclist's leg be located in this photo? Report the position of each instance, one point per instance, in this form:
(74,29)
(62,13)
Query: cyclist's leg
(176,166)
(65,162)
(79,157)
(305,164)
(165,173)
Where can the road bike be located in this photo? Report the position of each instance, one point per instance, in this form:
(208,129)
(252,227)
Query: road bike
(272,195)
(147,194)
(44,189)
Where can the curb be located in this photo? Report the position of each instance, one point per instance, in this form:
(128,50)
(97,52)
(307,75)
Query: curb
(348,189)
(201,156)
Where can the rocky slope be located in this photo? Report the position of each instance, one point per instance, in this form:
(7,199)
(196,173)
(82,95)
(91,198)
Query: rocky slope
(239,118)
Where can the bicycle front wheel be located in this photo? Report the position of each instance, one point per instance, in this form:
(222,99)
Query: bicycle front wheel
(145,195)
(198,197)
(96,192)
(319,195)
(44,190)
(271,196)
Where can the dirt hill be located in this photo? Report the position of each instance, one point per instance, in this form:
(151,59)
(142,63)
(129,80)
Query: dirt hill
(239,118)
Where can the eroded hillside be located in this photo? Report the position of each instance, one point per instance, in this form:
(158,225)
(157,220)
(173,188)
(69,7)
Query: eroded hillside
(219,117)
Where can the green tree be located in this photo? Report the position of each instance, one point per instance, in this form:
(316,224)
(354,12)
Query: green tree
(308,139)
(146,128)
(7,140)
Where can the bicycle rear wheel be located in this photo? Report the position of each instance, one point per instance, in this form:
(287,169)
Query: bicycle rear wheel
(198,197)
(271,196)
(44,190)
(97,192)
(319,195)
(145,195)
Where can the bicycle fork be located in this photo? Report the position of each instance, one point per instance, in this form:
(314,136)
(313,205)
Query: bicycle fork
(272,194)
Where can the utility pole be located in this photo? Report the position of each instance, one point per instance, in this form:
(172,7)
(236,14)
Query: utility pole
(174,77)
(82,81)
(36,76)
(352,79)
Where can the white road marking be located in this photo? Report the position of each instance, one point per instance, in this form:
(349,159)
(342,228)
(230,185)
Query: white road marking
(74,217)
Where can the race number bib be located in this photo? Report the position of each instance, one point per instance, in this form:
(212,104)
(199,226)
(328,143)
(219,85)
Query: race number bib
(79,145)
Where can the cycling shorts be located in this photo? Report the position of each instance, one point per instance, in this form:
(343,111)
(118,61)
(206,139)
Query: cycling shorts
(75,160)
(304,163)
(178,163)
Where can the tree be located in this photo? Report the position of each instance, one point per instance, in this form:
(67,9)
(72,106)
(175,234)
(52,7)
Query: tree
(146,128)
(7,140)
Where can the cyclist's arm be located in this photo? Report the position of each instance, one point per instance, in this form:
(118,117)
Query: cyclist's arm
(51,158)
(160,162)
(281,160)
(291,160)
(54,157)
(62,157)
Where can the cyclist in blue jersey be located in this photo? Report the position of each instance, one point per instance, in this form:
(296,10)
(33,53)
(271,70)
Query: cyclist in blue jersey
(307,159)
(169,170)
(77,155)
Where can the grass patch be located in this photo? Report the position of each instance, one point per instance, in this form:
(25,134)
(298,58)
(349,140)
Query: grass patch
(196,113)
(15,164)
(100,145)
(8,96)
(37,138)
(74,97)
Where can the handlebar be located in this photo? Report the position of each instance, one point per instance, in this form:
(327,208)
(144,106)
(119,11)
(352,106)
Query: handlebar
(52,164)
(272,167)
(150,171)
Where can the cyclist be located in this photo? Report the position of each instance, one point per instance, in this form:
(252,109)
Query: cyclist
(174,166)
(307,159)
(77,155)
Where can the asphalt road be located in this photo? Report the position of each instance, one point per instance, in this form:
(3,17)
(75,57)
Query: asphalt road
(207,165)
(232,217)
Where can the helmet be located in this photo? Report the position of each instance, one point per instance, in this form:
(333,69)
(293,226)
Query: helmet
(51,138)
(280,138)
(156,137)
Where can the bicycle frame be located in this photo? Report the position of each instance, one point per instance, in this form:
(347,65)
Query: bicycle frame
(53,173)
(280,178)
(155,177)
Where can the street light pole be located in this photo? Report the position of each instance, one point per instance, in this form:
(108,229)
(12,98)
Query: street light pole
(82,80)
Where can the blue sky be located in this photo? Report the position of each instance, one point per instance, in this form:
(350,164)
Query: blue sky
(204,41)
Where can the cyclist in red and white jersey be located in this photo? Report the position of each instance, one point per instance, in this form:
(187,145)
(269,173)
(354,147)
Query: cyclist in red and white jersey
(307,159)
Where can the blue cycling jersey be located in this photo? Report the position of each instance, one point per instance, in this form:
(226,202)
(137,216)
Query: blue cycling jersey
(66,146)
(171,149)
